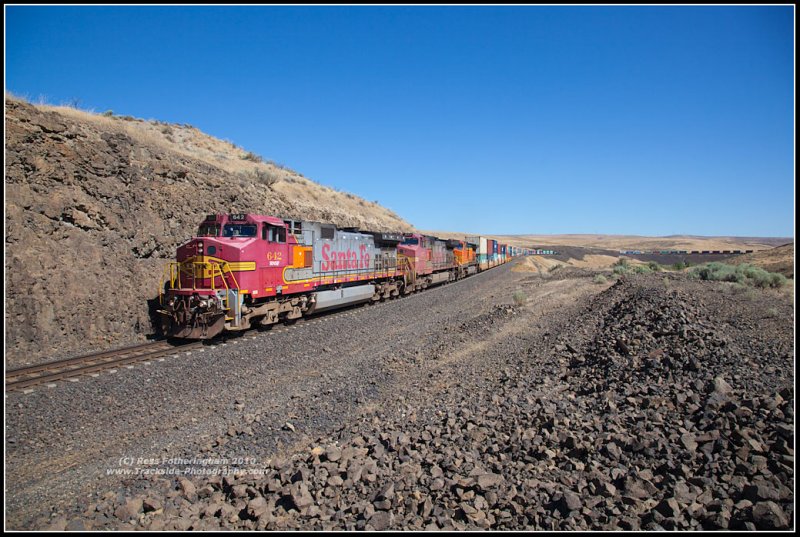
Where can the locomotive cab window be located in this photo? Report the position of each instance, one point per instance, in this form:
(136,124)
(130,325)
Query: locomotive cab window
(208,230)
(274,233)
(239,230)
(295,226)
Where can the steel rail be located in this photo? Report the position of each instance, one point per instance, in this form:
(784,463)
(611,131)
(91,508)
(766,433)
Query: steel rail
(91,363)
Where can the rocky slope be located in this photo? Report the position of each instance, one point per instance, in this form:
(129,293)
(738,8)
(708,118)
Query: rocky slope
(653,403)
(96,205)
(658,417)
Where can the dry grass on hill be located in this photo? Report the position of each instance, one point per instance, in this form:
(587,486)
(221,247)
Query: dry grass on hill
(629,242)
(245,166)
(633,242)
(779,259)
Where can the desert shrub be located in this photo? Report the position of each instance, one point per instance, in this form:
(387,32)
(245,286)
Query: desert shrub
(252,157)
(641,269)
(655,267)
(554,268)
(599,279)
(519,298)
(108,113)
(743,274)
(280,165)
(777,279)
(266,177)
(621,267)
(763,279)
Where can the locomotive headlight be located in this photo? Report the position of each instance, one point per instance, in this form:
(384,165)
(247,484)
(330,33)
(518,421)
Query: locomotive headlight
(199,247)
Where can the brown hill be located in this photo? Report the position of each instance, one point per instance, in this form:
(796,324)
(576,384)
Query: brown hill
(779,259)
(631,242)
(635,242)
(96,205)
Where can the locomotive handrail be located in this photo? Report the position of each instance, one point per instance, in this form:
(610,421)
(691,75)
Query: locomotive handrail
(408,268)
(217,269)
(385,270)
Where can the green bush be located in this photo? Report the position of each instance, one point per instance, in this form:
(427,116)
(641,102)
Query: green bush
(777,279)
(599,279)
(622,266)
(519,298)
(743,274)
(641,269)
(655,267)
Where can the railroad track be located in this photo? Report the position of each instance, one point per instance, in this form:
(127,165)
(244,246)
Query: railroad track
(25,377)
(17,379)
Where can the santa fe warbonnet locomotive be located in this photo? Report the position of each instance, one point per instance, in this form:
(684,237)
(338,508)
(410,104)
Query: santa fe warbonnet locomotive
(244,270)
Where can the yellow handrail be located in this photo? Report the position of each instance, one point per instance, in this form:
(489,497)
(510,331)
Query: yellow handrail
(207,269)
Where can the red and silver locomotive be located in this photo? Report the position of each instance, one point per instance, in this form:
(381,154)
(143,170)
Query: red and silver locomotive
(243,270)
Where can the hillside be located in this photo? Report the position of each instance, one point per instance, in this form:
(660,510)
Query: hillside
(778,259)
(96,205)
(634,242)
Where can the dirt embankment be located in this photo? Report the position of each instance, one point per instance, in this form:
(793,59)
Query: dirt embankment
(779,259)
(96,205)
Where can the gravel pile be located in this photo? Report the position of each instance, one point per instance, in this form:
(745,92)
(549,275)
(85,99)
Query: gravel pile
(646,409)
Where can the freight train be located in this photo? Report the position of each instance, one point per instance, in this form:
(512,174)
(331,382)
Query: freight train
(246,270)
(686,252)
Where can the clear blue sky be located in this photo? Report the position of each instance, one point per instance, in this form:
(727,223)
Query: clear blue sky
(625,120)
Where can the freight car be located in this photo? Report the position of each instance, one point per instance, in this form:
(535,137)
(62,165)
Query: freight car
(244,270)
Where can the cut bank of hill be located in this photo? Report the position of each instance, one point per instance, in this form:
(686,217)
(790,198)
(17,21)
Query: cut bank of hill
(96,205)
